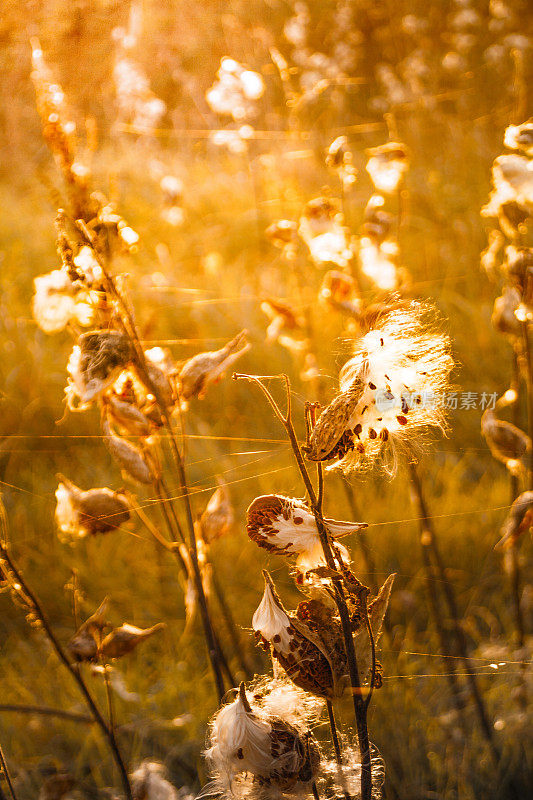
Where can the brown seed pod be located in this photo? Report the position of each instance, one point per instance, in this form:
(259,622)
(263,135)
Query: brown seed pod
(332,423)
(218,517)
(83,646)
(507,443)
(297,648)
(128,418)
(518,520)
(205,368)
(125,639)
(127,456)
(79,513)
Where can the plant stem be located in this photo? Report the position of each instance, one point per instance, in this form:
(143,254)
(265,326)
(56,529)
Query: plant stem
(454,613)
(37,609)
(4,770)
(128,324)
(360,706)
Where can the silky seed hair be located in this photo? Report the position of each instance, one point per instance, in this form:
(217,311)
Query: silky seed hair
(399,374)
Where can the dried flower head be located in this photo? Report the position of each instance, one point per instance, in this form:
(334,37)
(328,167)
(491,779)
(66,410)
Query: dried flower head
(387,165)
(286,526)
(148,782)
(377,222)
(206,368)
(313,658)
(390,390)
(80,513)
(94,364)
(245,739)
(511,201)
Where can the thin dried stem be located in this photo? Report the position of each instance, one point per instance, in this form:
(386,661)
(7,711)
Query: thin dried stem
(5,772)
(37,609)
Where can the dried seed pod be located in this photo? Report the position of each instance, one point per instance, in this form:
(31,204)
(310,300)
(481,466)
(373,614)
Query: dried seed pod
(95,363)
(297,648)
(286,526)
(246,739)
(83,646)
(128,418)
(518,520)
(125,639)
(127,456)
(205,368)
(391,390)
(333,423)
(377,608)
(80,513)
(218,517)
(507,443)
(504,318)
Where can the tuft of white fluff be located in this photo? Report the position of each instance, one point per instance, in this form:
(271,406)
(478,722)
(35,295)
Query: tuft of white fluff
(271,620)
(148,782)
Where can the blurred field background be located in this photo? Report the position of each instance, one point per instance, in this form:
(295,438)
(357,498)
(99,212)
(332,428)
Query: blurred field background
(449,77)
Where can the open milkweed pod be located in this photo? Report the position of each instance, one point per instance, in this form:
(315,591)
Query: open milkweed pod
(205,368)
(377,608)
(94,364)
(80,513)
(125,639)
(298,649)
(245,739)
(391,391)
(83,646)
(286,526)
(518,520)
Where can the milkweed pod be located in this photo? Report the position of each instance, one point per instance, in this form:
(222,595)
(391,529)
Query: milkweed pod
(205,368)
(518,520)
(80,513)
(125,639)
(298,649)
(286,526)
(83,646)
(127,456)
